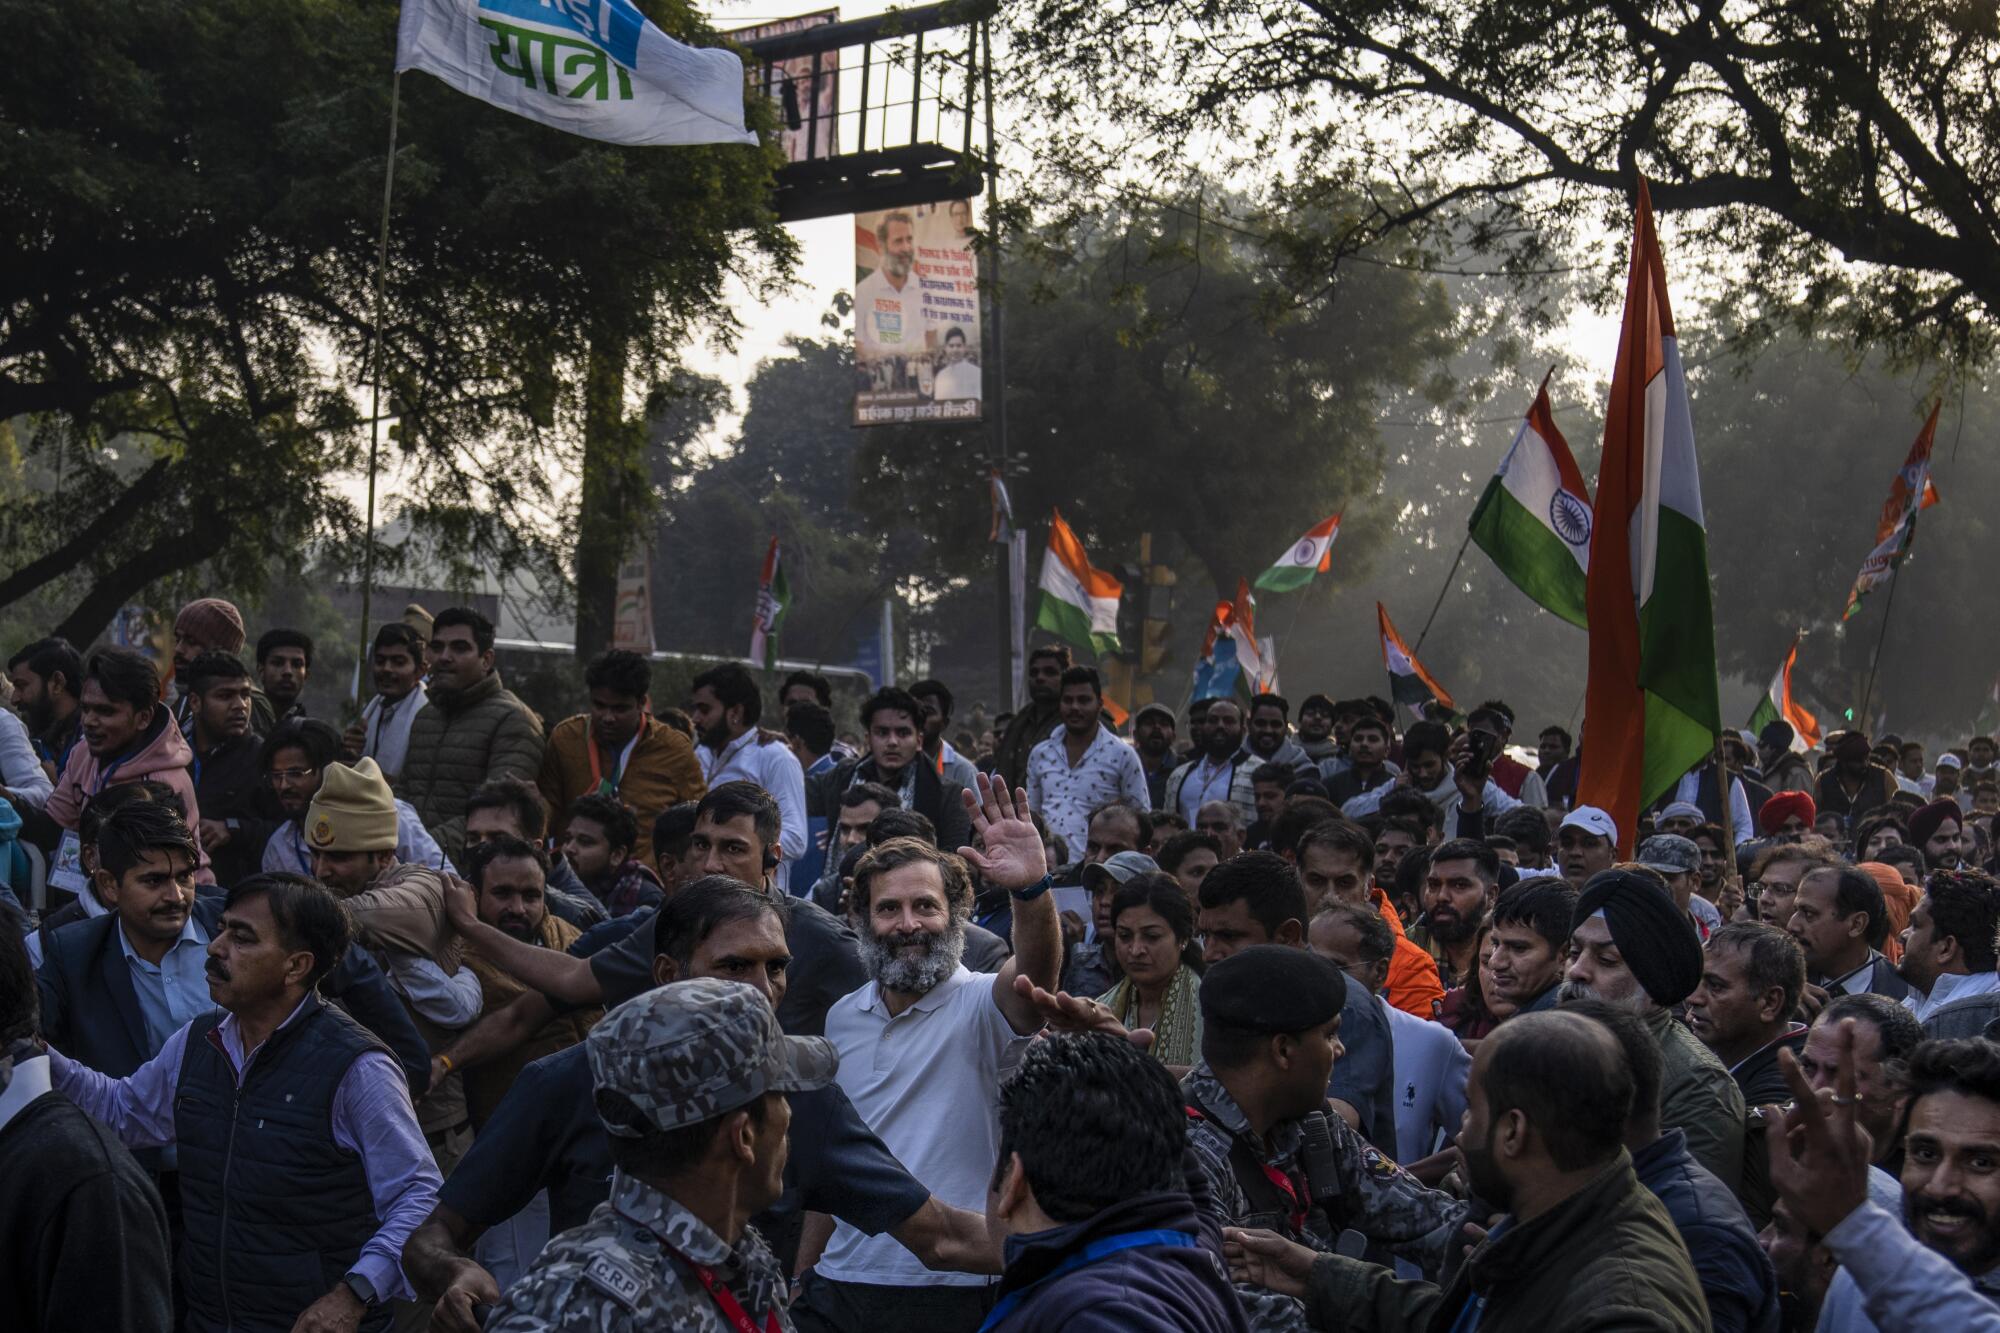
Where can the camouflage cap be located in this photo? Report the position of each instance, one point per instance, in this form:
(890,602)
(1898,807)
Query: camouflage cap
(1670,854)
(687,1052)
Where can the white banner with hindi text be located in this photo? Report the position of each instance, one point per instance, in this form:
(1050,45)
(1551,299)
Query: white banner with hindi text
(596,68)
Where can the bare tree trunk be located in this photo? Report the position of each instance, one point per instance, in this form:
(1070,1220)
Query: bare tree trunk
(612,503)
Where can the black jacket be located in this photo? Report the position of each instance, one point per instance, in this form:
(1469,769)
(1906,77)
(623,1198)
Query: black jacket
(1762,1084)
(229,786)
(1882,979)
(86,1232)
(1162,1286)
(936,798)
(1736,1277)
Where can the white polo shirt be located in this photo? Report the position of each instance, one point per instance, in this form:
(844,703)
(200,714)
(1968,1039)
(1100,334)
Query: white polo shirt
(927,1082)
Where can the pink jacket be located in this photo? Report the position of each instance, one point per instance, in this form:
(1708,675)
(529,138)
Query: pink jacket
(163,757)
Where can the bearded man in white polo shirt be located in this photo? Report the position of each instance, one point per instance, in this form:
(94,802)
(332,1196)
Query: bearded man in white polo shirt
(923,1048)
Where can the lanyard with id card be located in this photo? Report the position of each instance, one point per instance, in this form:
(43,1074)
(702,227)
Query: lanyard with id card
(67,870)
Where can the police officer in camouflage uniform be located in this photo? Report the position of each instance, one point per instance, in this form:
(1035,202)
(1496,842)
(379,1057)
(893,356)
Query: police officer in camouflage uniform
(1274,1156)
(689,1081)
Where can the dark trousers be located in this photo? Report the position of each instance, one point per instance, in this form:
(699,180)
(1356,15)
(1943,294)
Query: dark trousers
(826,1306)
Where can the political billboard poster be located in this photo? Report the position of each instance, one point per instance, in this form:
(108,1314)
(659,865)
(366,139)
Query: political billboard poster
(917,351)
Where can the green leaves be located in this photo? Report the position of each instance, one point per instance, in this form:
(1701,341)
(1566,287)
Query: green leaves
(192,197)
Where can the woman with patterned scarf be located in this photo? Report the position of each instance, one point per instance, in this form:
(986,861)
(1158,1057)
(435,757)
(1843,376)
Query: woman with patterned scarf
(1152,930)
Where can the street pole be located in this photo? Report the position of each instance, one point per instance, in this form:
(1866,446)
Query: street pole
(996,382)
(375,382)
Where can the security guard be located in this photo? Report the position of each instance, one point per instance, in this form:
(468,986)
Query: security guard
(689,1080)
(1273,1155)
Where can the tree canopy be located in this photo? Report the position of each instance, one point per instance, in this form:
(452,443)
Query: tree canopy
(1842,153)
(191,198)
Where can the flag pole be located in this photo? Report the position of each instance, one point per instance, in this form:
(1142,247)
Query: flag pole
(1728,820)
(1874,661)
(1458,560)
(375,379)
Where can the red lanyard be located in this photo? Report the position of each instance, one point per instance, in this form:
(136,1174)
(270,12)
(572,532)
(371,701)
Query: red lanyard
(725,1300)
(1284,1184)
(1300,1207)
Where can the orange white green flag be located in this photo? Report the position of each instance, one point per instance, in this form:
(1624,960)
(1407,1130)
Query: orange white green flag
(1778,703)
(1534,517)
(1409,684)
(1309,555)
(1079,603)
(1651,707)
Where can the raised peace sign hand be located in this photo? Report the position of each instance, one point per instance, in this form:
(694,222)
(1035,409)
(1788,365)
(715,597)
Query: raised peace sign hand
(1009,855)
(1819,1162)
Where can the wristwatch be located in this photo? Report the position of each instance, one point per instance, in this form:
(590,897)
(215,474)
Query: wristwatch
(363,1289)
(1035,890)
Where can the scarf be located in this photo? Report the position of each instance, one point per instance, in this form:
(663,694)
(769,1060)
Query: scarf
(387,735)
(906,787)
(1177,1036)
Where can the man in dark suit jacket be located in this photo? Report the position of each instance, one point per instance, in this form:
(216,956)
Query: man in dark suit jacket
(1838,918)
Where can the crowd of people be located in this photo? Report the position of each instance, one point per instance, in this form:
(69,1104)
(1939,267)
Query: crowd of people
(699,1014)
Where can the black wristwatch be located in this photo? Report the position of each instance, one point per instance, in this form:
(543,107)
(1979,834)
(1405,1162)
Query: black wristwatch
(363,1289)
(1035,890)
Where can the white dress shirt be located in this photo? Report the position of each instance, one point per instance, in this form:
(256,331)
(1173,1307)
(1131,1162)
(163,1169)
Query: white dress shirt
(1948,987)
(776,769)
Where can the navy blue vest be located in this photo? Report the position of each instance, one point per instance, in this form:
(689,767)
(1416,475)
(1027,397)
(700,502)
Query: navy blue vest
(276,1212)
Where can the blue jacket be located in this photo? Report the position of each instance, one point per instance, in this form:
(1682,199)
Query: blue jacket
(91,1013)
(1182,1289)
(1736,1277)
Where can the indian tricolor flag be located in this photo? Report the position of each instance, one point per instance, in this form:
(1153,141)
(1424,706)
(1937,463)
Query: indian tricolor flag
(1651,710)
(1409,683)
(1311,554)
(1534,519)
(1777,703)
(1079,603)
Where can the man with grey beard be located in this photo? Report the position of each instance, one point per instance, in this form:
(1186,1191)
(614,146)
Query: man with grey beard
(889,322)
(923,1047)
(1630,945)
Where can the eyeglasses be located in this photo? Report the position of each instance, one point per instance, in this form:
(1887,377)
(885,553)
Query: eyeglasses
(279,776)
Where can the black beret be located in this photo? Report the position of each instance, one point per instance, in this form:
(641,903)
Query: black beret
(1272,988)
(1653,935)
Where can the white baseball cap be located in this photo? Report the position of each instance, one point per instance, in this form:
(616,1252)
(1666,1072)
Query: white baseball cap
(1592,821)
(1950,760)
